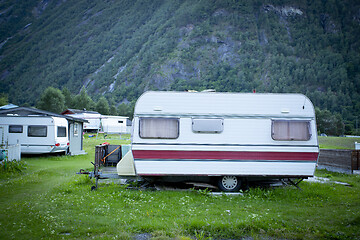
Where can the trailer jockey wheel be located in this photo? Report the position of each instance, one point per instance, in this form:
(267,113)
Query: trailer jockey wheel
(229,183)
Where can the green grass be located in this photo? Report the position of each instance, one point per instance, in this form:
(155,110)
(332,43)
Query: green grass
(337,142)
(48,201)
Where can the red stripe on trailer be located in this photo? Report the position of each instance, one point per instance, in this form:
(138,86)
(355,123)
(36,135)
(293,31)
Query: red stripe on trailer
(225,155)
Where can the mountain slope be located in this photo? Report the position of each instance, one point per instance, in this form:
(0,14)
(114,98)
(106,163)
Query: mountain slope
(121,48)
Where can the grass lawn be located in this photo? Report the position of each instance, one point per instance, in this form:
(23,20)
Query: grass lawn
(338,142)
(48,201)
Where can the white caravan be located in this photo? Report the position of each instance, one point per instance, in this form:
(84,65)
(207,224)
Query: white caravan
(93,119)
(114,124)
(94,122)
(224,137)
(104,123)
(36,134)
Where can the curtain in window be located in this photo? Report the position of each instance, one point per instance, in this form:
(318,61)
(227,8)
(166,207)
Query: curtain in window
(159,128)
(280,130)
(299,130)
(76,129)
(291,130)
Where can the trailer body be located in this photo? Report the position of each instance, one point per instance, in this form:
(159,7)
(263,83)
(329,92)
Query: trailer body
(36,134)
(114,124)
(224,134)
(93,119)
(104,123)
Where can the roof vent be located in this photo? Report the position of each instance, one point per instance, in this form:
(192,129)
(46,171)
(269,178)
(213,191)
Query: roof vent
(157,108)
(209,90)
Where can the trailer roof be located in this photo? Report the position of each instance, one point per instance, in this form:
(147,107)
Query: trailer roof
(77,111)
(224,104)
(33,112)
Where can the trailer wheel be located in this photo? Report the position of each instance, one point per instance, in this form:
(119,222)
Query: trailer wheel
(229,183)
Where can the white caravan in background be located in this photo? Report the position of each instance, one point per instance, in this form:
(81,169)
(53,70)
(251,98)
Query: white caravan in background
(114,124)
(36,134)
(224,137)
(93,118)
(104,123)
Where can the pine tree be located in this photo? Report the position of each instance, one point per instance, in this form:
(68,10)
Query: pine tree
(68,97)
(102,106)
(113,110)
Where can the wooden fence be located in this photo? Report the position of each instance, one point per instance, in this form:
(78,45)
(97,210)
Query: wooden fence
(345,161)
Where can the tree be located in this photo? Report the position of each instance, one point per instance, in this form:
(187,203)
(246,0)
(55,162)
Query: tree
(331,124)
(123,109)
(83,101)
(126,110)
(113,110)
(52,100)
(102,106)
(3,99)
(68,97)
(339,126)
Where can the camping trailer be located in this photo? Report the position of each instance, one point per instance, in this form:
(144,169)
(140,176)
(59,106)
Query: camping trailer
(92,120)
(96,122)
(36,134)
(224,137)
(114,124)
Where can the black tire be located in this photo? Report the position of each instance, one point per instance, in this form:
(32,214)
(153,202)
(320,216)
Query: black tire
(229,183)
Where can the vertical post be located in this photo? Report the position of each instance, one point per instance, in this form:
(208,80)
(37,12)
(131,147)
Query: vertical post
(355,160)
(99,128)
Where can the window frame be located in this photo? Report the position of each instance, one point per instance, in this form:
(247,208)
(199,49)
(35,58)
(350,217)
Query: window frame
(11,126)
(193,120)
(57,131)
(76,129)
(291,121)
(172,118)
(30,126)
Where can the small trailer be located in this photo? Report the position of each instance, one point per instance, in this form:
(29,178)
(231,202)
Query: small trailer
(226,139)
(36,134)
(93,118)
(98,122)
(114,124)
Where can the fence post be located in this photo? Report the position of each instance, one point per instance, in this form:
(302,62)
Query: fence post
(355,160)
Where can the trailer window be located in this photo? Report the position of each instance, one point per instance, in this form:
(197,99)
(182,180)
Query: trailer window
(210,125)
(76,129)
(37,131)
(291,130)
(61,131)
(15,128)
(165,128)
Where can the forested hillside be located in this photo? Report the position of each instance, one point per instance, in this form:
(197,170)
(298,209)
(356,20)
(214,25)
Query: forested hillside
(119,49)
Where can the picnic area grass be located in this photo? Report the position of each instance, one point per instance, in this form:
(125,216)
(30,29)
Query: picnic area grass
(48,201)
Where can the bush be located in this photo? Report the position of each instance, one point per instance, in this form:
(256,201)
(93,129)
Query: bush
(12,166)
